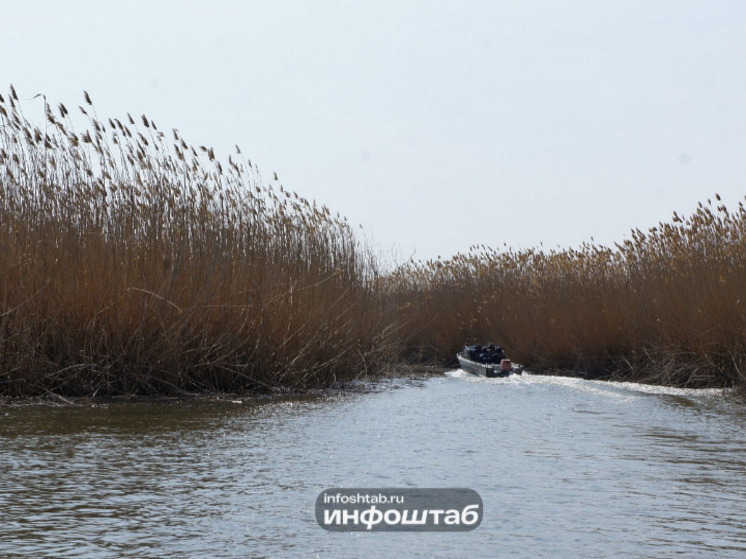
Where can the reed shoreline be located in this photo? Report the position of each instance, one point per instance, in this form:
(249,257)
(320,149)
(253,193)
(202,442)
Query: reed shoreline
(374,383)
(134,263)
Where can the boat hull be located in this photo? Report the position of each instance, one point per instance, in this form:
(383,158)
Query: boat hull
(488,370)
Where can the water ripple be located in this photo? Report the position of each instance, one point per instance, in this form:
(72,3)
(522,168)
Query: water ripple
(565,468)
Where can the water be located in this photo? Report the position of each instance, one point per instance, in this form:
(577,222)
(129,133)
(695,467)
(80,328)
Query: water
(565,467)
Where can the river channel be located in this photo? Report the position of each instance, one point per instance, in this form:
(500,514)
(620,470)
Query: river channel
(564,467)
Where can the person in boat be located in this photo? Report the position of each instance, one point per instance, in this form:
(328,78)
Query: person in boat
(479,354)
(496,354)
(491,354)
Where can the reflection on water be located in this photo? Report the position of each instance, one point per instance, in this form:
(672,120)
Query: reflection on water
(565,467)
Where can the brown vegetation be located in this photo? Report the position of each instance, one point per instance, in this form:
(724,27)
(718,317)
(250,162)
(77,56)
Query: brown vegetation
(133,263)
(666,306)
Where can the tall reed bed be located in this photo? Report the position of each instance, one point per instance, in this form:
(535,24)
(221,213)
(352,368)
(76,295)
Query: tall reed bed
(133,262)
(667,306)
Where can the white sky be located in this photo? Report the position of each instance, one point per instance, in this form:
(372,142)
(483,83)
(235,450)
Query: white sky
(434,124)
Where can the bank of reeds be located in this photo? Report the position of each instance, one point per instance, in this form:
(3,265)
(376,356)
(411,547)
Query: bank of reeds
(667,306)
(134,263)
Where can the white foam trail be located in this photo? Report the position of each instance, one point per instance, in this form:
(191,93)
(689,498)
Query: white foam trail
(610,388)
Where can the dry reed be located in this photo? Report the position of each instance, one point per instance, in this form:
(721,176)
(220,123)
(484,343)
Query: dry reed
(134,263)
(666,306)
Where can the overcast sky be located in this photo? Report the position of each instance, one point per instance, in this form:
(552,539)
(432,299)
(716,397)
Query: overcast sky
(434,124)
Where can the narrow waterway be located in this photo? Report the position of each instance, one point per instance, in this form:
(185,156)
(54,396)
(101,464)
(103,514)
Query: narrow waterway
(564,467)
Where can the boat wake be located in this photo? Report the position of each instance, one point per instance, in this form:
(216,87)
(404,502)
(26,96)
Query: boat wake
(610,387)
(461,374)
